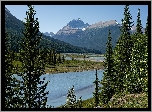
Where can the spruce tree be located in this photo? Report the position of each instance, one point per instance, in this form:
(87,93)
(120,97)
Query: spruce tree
(133,82)
(34,95)
(54,57)
(12,90)
(146,29)
(59,58)
(71,101)
(122,52)
(96,94)
(63,58)
(108,81)
(139,25)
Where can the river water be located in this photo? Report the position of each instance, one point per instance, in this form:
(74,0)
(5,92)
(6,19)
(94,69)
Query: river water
(60,83)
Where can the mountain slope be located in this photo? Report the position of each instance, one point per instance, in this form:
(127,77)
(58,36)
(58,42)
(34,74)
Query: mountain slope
(15,26)
(94,36)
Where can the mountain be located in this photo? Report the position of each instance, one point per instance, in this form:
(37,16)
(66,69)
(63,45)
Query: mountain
(133,30)
(92,36)
(15,27)
(49,34)
(76,25)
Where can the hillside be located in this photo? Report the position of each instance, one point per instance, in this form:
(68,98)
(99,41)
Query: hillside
(90,36)
(94,36)
(15,26)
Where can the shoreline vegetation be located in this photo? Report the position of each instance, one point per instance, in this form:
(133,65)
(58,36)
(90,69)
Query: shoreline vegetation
(68,66)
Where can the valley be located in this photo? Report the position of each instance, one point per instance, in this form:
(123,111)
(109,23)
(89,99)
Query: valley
(98,65)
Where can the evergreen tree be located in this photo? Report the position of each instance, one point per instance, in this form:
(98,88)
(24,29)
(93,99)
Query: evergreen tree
(49,57)
(146,29)
(71,100)
(139,25)
(108,81)
(133,82)
(12,90)
(96,94)
(59,59)
(54,57)
(34,95)
(63,58)
(144,64)
(122,52)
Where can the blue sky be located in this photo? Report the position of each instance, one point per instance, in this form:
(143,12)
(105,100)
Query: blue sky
(54,17)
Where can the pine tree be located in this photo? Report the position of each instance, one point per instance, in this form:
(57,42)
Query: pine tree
(96,94)
(71,100)
(34,95)
(122,52)
(108,81)
(139,25)
(54,57)
(59,59)
(63,58)
(11,83)
(146,29)
(133,82)
(144,64)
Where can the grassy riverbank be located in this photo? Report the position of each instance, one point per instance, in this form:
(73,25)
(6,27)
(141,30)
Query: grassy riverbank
(68,66)
(83,55)
(73,66)
(121,101)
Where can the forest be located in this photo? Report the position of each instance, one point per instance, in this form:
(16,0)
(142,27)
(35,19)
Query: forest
(125,80)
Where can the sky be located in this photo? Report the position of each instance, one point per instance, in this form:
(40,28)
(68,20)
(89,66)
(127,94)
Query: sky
(52,18)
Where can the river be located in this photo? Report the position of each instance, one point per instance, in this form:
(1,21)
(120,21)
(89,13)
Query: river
(59,85)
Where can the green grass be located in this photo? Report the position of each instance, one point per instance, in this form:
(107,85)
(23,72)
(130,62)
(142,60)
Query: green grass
(121,101)
(129,101)
(67,66)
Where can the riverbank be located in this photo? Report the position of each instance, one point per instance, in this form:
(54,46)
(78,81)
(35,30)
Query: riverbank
(68,66)
(120,101)
(73,66)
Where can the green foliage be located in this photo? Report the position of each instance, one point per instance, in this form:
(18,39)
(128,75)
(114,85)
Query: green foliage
(137,77)
(96,94)
(71,100)
(139,25)
(32,58)
(129,101)
(59,59)
(109,78)
(63,59)
(122,52)
(11,83)
(146,29)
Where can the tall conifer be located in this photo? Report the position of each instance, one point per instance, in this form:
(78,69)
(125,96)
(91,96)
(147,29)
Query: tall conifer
(107,89)
(12,90)
(123,50)
(146,29)
(34,95)
(139,25)
(96,94)
(133,82)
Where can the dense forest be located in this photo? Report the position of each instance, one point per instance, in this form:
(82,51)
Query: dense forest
(125,72)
